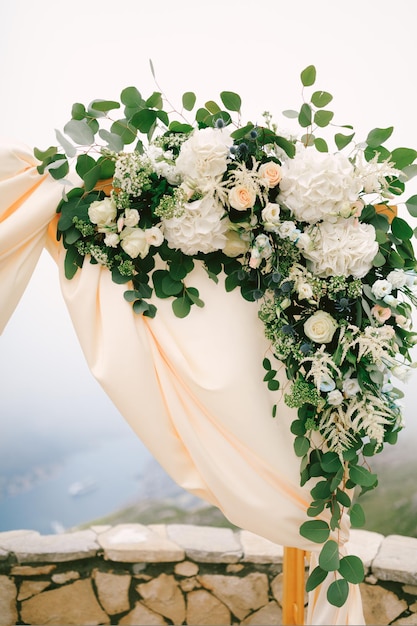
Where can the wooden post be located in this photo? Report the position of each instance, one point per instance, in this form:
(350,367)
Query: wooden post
(294,584)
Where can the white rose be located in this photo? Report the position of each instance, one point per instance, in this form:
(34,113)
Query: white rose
(270,216)
(304,291)
(204,153)
(288,230)
(111,240)
(270,172)
(381,288)
(351,387)
(134,243)
(102,212)
(345,248)
(235,245)
(334,398)
(154,236)
(242,198)
(317,185)
(320,327)
(131,217)
(397,278)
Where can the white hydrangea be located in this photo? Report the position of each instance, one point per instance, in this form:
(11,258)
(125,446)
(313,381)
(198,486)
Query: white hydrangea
(345,248)
(318,186)
(199,227)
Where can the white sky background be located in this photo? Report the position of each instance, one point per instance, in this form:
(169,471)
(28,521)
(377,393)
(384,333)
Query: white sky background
(55,53)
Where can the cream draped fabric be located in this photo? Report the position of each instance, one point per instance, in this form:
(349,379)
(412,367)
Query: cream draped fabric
(192,389)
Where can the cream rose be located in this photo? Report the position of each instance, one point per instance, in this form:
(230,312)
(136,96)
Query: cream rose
(351,387)
(154,236)
(131,217)
(102,212)
(270,172)
(235,245)
(242,198)
(270,216)
(345,248)
(320,327)
(111,240)
(134,242)
(335,398)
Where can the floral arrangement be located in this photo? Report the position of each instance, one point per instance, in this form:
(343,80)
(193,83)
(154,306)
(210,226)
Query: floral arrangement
(306,231)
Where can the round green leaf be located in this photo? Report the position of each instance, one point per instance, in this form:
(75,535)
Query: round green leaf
(361,476)
(321,98)
(338,592)
(315,530)
(401,229)
(188,100)
(144,119)
(297,428)
(330,462)
(274,385)
(305,115)
(181,307)
(411,205)
(80,132)
(301,444)
(308,76)
(69,149)
(126,132)
(351,568)
(378,136)
(290,114)
(155,101)
(212,106)
(323,118)
(329,556)
(78,111)
(231,100)
(131,97)
(321,145)
(343,498)
(170,286)
(402,157)
(357,516)
(342,141)
(104,105)
(317,576)
(321,491)
(379,260)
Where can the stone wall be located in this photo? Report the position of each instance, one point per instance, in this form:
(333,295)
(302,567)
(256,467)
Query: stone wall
(179,574)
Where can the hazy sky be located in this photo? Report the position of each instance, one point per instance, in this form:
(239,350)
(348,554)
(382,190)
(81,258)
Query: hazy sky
(53,54)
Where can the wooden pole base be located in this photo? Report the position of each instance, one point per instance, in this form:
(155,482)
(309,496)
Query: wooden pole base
(294,584)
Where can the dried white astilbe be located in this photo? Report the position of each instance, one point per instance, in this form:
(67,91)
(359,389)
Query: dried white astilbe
(322,368)
(366,417)
(374,342)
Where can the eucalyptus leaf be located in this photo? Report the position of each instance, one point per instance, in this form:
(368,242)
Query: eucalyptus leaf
(315,530)
(301,444)
(378,136)
(403,157)
(329,556)
(351,568)
(69,149)
(188,100)
(357,516)
(361,476)
(305,116)
(212,106)
(401,229)
(113,140)
(80,132)
(181,307)
(131,97)
(231,100)
(104,105)
(317,576)
(290,113)
(411,205)
(78,111)
(308,76)
(342,141)
(338,592)
(323,118)
(321,145)
(155,101)
(126,132)
(321,99)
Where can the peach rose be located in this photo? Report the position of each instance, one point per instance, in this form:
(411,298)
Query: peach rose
(271,172)
(242,198)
